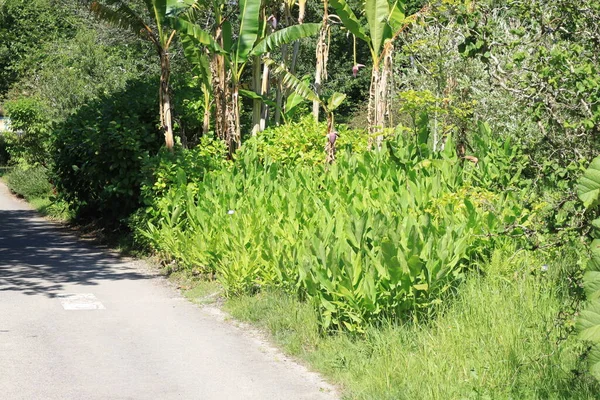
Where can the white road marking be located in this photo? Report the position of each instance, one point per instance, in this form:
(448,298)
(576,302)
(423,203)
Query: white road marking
(80,301)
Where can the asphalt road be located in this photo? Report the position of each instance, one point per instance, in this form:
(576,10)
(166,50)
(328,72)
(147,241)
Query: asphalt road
(78,322)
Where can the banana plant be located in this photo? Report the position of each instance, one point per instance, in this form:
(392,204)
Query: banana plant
(153,26)
(230,55)
(385,22)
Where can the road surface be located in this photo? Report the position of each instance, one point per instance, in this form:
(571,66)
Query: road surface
(79,322)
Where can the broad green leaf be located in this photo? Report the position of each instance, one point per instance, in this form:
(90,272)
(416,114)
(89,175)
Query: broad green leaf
(249,28)
(349,19)
(591,281)
(173,7)
(291,82)
(227,35)
(594,361)
(198,34)
(293,101)
(255,96)
(588,323)
(377,12)
(335,100)
(594,261)
(397,17)
(588,186)
(196,56)
(284,36)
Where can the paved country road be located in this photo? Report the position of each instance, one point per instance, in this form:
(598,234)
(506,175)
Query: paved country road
(78,322)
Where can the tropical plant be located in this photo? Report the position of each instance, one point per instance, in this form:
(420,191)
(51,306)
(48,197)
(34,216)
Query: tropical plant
(374,235)
(159,32)
(230,55)
(99,151)
(385,22)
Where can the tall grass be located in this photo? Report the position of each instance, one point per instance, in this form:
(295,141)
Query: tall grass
(501,337)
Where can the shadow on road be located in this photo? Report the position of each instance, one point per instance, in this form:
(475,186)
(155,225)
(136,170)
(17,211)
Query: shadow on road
(38,257)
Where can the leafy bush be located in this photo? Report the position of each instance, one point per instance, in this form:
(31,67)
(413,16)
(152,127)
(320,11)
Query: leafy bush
(161,171)
(588,324)
(30,139)
(300,142)
(375,235)
(29,183)
(100,151)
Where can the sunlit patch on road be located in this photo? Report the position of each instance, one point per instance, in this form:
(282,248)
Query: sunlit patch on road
(80,301)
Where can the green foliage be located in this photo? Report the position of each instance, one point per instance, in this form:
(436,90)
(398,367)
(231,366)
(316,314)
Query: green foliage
(30,139)
(100,150)
(25,27)
(374,235)
(301,142)
(29,182)
(588,323)
(165,170)
(498,338)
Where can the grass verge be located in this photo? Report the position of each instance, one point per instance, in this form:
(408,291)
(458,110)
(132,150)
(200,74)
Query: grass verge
(504,336)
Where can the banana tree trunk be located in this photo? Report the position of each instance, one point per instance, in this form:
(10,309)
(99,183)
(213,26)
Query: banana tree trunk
(206,119)
(166,119)
(256,104)
(279,89)
(321,56)
(379,97)
(220,89)
(234,139)
(296,51)
(264,90)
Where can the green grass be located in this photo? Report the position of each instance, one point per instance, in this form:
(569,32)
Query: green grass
(500,338)
(32,184)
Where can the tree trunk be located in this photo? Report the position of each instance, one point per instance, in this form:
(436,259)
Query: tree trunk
(322,54)
(165,100)
(206,119)
(379,96)
(235,133)
(279,89)
(220,89)
(256,104)
(264,90)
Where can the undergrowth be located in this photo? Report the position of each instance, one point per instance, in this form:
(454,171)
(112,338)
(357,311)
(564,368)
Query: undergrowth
(504,336)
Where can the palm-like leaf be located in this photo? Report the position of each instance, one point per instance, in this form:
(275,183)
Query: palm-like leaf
(198,59)
(349,19)
(377,12)
(198,34)
(285,36)
(249,28)
(291,82)
(117,13)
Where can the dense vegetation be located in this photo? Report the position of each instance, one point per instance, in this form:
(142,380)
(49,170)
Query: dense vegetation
(386,186)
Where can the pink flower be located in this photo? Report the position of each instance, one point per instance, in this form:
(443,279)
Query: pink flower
(273,20)
(355,69)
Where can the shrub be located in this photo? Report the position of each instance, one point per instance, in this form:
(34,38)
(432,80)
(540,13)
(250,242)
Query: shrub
(100,151)
(375,235)
(29,183)
(30,140)
(4,156)
(300,142)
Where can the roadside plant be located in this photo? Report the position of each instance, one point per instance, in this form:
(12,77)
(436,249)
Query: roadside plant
(588,322)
